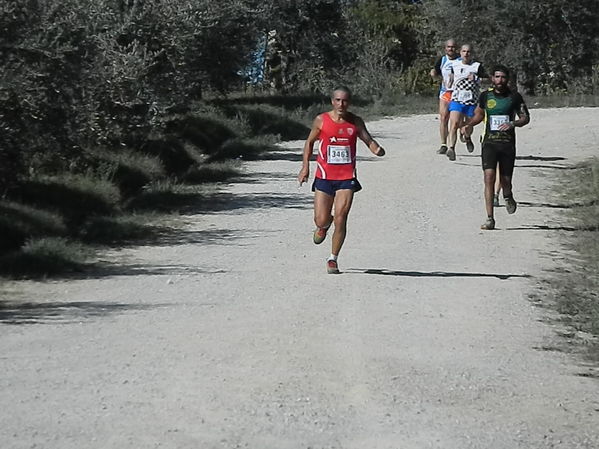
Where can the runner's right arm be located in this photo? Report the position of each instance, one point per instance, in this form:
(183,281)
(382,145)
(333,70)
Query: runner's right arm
(479,112)
(304,173)
(479,116)
(436,70)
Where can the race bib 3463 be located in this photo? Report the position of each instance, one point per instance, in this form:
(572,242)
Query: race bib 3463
(339,154)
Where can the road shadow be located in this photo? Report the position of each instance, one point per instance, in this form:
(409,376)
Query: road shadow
(263,177)
(518,166)
(206,204)
(553,167)
(388,135)
(177,237)
(234,202)
(20,313)
(439,274)
(289,156)
(554,228)
(558,206)
(107,269)
(530,157)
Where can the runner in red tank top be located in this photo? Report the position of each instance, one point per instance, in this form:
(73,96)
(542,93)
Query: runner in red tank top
(335,180)
(336,157)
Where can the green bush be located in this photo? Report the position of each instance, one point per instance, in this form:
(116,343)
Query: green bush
(207,133)
(19,222)
(129,170)
(247,149)
(118,229)
(75,197)
(172,154)
(266,119)
(214,172)
(165,196)
(43,257)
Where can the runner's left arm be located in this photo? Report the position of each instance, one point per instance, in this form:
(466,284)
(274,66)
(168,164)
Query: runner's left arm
(521,112)
(480,76)
(482,73)
(365,136)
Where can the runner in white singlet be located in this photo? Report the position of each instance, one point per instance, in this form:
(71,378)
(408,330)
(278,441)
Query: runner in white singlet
(442,70)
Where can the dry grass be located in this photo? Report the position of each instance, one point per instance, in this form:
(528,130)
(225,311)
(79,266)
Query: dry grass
(573,291)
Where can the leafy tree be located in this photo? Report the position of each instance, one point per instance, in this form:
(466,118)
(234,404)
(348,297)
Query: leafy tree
(316,43)
(548,44)
(384,42)
(85,73)
(41,53)
(308,37)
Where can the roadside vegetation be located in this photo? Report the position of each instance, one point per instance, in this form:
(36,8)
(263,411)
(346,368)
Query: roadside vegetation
(573,289)
(116,113)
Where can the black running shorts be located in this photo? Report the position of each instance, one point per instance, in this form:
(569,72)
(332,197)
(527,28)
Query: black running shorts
(502,153)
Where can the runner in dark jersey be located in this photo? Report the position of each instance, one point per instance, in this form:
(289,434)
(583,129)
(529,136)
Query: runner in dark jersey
(498,108)
(335,180)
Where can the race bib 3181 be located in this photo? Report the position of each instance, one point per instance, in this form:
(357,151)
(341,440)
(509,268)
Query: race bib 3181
(495,121)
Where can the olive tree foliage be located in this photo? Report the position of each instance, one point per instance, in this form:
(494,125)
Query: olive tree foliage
(161,56)
(83,73)
(306,43)
(548,44)
(41,53)
(384,43)
(364,43)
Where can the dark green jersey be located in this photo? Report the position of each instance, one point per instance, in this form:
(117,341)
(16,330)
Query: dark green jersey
(499,109)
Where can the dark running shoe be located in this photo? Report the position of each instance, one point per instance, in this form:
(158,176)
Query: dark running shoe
(462,137)
(510,205)
(451,154)
(488,225)
(469,145)
(442,149)
(496,200)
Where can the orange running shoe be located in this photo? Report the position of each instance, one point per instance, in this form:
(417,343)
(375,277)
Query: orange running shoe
(321,233)
(332,267)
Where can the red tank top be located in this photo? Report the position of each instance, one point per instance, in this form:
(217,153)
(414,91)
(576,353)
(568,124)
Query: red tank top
(336,159)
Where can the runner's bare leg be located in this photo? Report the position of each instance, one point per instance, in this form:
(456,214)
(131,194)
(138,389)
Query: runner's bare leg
(343,202)
(443,121)
(489,175)
(455,121)
(323,204)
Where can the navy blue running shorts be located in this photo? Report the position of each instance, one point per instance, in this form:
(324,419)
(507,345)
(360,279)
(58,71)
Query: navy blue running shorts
(331,186)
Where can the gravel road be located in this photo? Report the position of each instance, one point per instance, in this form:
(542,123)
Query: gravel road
(228,333)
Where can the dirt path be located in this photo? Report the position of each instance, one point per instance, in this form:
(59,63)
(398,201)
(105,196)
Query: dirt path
(230,334)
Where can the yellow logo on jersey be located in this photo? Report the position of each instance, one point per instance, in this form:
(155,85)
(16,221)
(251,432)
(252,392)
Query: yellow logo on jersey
(491,103)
